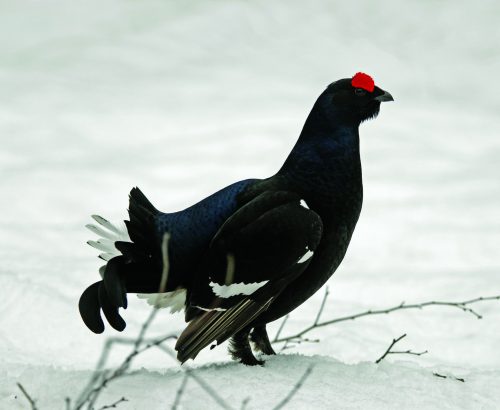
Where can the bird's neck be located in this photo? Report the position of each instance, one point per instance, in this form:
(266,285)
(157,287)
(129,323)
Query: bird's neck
(326,152)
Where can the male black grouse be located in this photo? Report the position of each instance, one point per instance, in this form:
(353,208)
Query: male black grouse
(253,251)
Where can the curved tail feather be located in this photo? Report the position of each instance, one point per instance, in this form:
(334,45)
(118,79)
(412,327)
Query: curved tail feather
(90,308)
(133,263)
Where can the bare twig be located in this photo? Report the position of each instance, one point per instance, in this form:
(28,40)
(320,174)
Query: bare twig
(410,352)
(390,351)
(295,389)
(204,385)
(28,397)
(230,269)
(113,405)
(166,267)
(464,306)
(100,380)
(244,403)
(221,402)
(282,325)
(442,376)
(180,392)
(320,311)
(394,341)
(286,345)
(283,322)
(289,345)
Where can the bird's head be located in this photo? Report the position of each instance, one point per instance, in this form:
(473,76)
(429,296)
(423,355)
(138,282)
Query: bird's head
(355,99)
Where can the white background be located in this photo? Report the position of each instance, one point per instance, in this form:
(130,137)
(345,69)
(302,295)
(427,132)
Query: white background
(182,99)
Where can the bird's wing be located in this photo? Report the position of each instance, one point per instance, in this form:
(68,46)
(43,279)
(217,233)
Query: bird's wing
(259,249)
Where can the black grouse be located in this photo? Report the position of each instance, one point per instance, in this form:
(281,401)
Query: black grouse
(253,251)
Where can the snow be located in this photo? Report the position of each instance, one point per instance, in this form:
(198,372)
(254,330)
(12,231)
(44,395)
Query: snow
(182,99)
(331,384)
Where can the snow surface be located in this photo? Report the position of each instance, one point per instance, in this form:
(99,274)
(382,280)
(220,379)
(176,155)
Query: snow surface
(181,99)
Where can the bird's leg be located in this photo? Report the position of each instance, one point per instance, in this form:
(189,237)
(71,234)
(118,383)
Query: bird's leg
(239,347)
(260,340)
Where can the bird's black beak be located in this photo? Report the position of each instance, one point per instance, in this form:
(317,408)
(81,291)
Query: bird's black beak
(384,97)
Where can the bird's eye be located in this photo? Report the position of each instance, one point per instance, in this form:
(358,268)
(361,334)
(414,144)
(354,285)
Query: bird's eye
(359,91)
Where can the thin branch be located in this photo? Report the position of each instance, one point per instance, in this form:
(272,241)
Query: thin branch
(100,380)
(28,397)
(221,402)
(166,267)
(91,394)
(394,341)
(230,269)
(390,351)
(283,322)
(442,376)
(202,383)
(244,403)
(410,352)
(113,405)
(282,325)
(295,389)
(320,311)
(286,346)
(464,306)
(180,392)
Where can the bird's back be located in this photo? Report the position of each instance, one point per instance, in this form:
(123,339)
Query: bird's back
(192,229)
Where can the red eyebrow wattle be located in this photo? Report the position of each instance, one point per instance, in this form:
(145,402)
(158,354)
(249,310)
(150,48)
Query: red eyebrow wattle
(364,81)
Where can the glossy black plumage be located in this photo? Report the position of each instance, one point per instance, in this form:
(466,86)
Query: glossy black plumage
(255,250)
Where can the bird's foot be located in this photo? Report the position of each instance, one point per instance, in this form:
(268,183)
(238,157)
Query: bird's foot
(251,360)
(239,348)
(260,340)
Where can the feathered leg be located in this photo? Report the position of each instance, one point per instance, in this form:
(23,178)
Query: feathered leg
(260,340)
(239,347)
